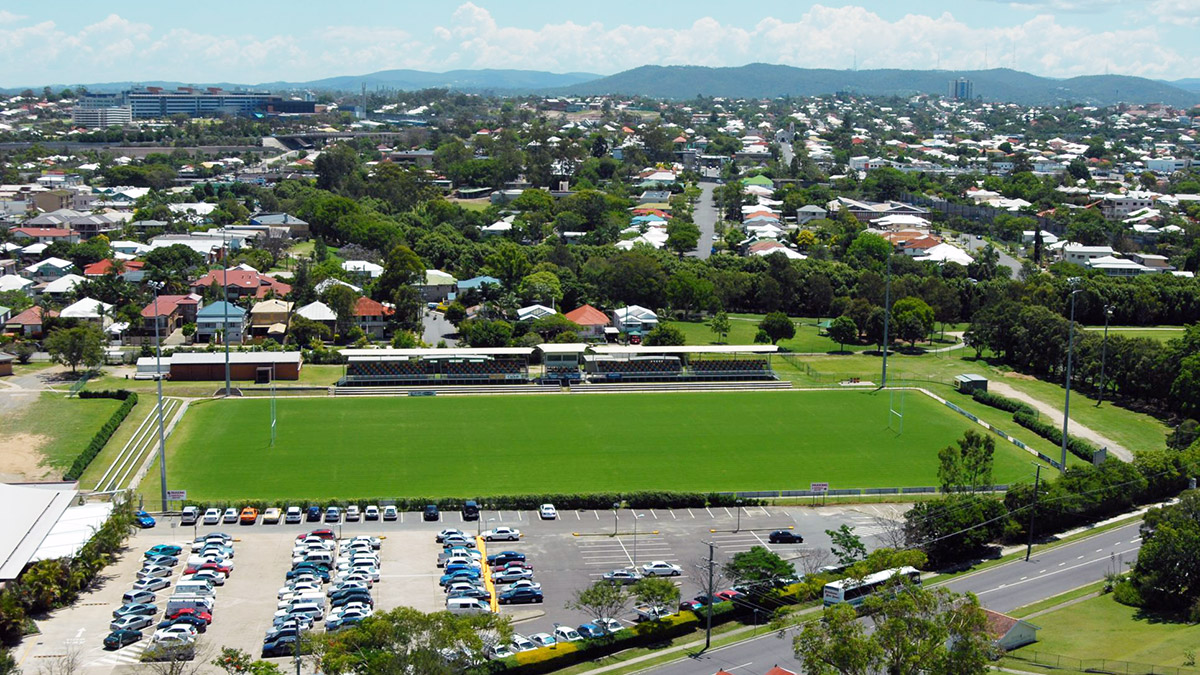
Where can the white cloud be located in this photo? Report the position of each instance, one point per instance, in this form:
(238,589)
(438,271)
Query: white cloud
(1178,12)
(8,17)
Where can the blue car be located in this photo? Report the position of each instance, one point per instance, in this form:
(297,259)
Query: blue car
(144,520)
(460,575)
(590,631)
(163,549)
(520,595)
(313,514)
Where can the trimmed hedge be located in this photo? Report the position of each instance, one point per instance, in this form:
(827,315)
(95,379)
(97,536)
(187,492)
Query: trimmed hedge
(128,400)
(600,501)
(1078,447)
(1002,402)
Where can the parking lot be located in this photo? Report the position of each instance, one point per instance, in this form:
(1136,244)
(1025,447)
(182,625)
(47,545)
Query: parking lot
(566,554)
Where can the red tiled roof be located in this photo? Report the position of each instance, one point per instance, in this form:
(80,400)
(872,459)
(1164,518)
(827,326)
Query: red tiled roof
(31,316)
(245,279)
(999,624)
(368,307)
(765,246)
(167,305)
(588,316)
(44,231)
(102,267)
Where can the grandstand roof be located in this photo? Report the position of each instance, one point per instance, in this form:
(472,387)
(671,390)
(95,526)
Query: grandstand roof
(382,354)
(686,349)
(568,348)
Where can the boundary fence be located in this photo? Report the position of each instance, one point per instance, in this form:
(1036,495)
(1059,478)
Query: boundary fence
(850,492)
(1113,666)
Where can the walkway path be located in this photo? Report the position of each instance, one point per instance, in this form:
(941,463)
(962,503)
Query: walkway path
(1056,417)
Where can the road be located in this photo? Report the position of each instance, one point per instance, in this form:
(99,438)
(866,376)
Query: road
(975,244)
(705,217)
(1002,588)
(786,154)
(437,328)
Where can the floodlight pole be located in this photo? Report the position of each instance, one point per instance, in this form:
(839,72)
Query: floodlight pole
(1070,350)
(739,517)
(708,622)
(616,505)
(887,312)
(1037,481)
(225,297)
(162,437)
(1104,353)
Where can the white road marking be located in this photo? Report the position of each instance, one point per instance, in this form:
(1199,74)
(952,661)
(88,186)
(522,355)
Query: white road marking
(576,515)
(672,512)
(654,514)
(727,511)
(691,514)
(710,513)
(1065,569)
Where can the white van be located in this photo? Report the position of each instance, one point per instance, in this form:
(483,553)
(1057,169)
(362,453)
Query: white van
(301,598)
(467,606)
(319,557)
(195,588)
(313,610)
(199,603)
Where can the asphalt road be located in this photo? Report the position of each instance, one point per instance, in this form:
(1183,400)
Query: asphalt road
(973,244)
(705,217)
(1002,588)
(437,328)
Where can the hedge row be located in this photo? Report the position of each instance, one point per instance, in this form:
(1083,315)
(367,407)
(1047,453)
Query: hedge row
(128,400)
(593,501)
(1002,402)
(1078,447)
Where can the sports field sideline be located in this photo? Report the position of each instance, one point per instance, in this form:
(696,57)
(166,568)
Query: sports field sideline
(493,445)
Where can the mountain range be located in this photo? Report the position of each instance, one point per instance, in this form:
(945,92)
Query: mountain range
(756,80)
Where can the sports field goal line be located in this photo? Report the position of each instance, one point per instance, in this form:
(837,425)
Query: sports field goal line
(896,414)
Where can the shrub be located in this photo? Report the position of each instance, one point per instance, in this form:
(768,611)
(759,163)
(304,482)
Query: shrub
(1002,402)
(128,401)
(1127,594)
(1078,447)
(600,501)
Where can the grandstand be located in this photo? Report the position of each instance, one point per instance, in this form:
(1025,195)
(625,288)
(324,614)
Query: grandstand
(415,367)
(640,363)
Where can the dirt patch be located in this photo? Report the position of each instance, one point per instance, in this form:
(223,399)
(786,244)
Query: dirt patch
(21,457)
(1018,376)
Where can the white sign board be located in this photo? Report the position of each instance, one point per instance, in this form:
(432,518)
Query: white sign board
(818,487)
(176,495)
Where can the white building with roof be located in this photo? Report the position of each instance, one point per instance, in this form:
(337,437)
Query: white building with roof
(89,309)
(1079,254)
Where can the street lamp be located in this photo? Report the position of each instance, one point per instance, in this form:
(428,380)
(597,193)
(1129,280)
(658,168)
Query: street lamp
(616,505)
(156,286)
(1104,352)
(635,519)
(739,512)
(1074,281)
(225,297)
(887,311)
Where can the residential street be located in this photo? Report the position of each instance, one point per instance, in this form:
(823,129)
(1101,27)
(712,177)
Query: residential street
(437,328)
(974,244)
(706,219)
(1003,588)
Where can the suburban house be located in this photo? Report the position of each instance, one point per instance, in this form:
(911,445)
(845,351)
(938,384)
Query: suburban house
(5,314)
(296,227)
(45,235)
(214,319)
(129,270)
(590,320)
(61,286)
(173,312)
(634,319)
(478,282)
(270,317)
(372,317)
(807,214)
(90,310)
(11,282)
(1119,267)
(534,312)
(362,269)
(1080,255)
(318,312)
(771,247)
(242,283)
(29,322)
(868,211)
(438,286)
(1007,632)
(48,269)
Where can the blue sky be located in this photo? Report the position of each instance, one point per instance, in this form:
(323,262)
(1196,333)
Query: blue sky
(252,42)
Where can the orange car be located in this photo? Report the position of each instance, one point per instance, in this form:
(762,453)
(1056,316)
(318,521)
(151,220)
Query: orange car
(249,515)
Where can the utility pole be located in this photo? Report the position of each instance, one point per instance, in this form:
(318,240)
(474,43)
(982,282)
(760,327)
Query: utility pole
(887,312)
(225,297)
(712,563)
(1037,481)
(156,286)
(1104,353)
(1070,351)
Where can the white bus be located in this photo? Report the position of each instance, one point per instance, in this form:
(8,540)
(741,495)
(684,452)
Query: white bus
(853,592)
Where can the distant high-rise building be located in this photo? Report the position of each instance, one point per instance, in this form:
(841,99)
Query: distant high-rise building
(962,89)
(101,111)
(152,102)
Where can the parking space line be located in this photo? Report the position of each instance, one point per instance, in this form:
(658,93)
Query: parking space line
(764,510)
(597,514)
(672,512)
(654,514)
(576,515)
(519,516)
(691,514)
(727,511)
(401,517)
(759,538)
(460,517)
(710,513)
(500,515)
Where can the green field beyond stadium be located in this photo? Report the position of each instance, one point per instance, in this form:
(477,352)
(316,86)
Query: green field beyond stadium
(495,445)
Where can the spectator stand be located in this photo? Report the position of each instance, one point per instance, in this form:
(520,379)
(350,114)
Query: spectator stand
(561,363)
(640,363)
(414,367)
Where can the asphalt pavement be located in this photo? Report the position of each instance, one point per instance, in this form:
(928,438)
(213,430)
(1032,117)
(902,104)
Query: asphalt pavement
(705,217)
(437,328)
(974,244)
(1002,588)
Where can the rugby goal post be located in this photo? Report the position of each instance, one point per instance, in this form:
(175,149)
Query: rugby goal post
(896,410)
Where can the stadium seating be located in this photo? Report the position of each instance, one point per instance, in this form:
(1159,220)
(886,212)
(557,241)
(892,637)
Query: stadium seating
(729,366)
(640,366)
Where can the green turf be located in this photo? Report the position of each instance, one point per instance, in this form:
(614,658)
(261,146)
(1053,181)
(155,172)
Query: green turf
(64,424)
(742,329)
(1100,628)
(1162,334)
(494,445)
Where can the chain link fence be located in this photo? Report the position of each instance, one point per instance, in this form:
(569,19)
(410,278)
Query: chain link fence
(1070,663)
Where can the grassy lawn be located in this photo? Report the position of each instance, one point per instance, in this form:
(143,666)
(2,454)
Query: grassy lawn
(1100,628)
(1160,333)
(529,444)
(65,424)
(744,327)
(146,405)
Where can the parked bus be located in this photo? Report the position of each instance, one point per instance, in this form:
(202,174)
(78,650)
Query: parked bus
(853,592)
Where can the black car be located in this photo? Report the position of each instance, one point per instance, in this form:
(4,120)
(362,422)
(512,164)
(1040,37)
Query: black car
(470,510)
(519,595)
(351,599)
(282,646)
(505,557)
(275,634)
(349,593)
(313,515)
(431,512)
(474,592)
(120,638)
(196,622)
(785,537)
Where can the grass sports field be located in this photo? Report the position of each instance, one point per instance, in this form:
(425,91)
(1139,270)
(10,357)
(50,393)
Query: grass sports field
(492,445)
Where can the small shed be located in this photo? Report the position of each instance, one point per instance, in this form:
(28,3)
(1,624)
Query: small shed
(1009,633)
(261,367)
(968,383)
(6,363)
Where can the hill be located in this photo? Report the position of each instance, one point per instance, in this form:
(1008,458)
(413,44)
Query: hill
(765,80)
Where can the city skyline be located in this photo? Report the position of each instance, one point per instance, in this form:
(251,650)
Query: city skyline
(144,41)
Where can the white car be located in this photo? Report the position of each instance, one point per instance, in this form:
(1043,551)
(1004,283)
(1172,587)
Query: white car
(390,513)
(179,629)
(450,532)
(521,643)
(567,634)
(660,568)
(375,542)
(155,571)
(301,587)
(151,584)
(371,573)
(499,651)
(609,625)
(548,512)
(211,576)
(231,515)
(293,515)
(509,576)
(502,534)
(543,639)
(371,512)
(212,516)
(353,514)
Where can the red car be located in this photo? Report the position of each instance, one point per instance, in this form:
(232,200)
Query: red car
(216,567)
(730,595)
(188,611)
(515,564)
(322,534)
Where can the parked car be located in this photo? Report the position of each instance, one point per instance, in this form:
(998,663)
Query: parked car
(179,630)
(499,651)
(120,638)
(431,513)
(144,520)
(548,512)
(190,611)
(502,534)
(659,568)
(470,592)
(136,596)
(785,537)
(648,613)
(566,634)
(197,622)
(333,514)
(461,575)
(283,646)
(271,516)
(390,513)
(507,576)
(154,571)
(456,540)
(591,631)
(131,622)
(231,516)
(519,595)
(212,516)
(163,549)
(623,577)
(543,639)
(164,560)
(313,514)
(151,584)
(248,516)
(135,608)
(224,568)
(505,557)
(211,576)
(189,516)
(521,643)
(353,515)
(371,513)
(292,515)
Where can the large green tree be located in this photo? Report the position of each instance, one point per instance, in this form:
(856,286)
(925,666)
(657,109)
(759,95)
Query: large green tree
(778,326)
(843,330)
(913,319)
(966,465)
(82,345)
(1167,572)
